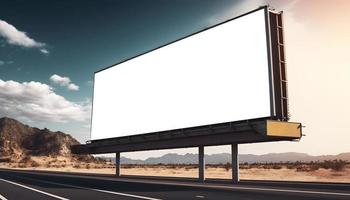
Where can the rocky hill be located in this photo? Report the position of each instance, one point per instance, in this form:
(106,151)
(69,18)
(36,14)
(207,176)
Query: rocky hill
(18,141)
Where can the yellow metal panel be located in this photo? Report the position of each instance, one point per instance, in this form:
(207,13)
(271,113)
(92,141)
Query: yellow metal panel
(283,129)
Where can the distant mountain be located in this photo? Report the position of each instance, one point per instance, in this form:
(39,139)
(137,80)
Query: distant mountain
(18,140)
(173,158)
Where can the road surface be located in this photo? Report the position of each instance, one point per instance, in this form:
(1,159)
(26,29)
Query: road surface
(18,185)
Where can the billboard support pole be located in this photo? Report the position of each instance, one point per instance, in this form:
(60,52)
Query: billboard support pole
(201,163)
(117,164)
(235,163)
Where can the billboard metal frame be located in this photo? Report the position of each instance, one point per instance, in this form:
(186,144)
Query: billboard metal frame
(240,132)
(234,133)
(275,48)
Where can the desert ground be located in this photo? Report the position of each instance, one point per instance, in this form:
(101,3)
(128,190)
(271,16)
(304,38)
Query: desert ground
(314,172)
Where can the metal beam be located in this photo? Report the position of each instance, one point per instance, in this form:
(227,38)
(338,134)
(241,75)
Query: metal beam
(201,164)
(117,164)
(228,133)
(235,163)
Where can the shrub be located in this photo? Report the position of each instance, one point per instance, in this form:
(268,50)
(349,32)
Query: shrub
(245,166)
(227,166)
(34,164)
(339,165)
(275,166)
(336,165)
(315,166)
(77,166)
(5,159)
(289,166)
(303,168)
(25,159)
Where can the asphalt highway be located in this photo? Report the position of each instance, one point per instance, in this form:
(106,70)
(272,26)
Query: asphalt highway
(30,185)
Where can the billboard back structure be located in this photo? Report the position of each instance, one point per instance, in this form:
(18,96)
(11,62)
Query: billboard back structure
(226,73)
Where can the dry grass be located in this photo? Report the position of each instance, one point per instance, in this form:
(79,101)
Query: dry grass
(327,171)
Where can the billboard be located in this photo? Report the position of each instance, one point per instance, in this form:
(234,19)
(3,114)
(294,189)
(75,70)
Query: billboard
(221,74)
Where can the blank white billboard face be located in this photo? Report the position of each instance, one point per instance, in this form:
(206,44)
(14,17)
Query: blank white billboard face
(218,75)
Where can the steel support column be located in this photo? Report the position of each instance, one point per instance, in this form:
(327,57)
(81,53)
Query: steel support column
(201,163)
(235,163)
(117,164)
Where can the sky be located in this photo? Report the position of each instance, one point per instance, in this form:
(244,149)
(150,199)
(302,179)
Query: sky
(49,51)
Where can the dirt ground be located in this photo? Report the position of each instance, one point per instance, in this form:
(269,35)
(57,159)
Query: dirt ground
(283,174)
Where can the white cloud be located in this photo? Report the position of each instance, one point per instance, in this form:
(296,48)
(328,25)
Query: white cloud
(237,8)
(16,37)
(73,87)
(2,62)
(44,51)
(61,80)
(35,101)
(64,82)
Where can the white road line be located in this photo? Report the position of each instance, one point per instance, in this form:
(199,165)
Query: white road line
(124,194)
(35,190)
(2,197)
(93,189)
